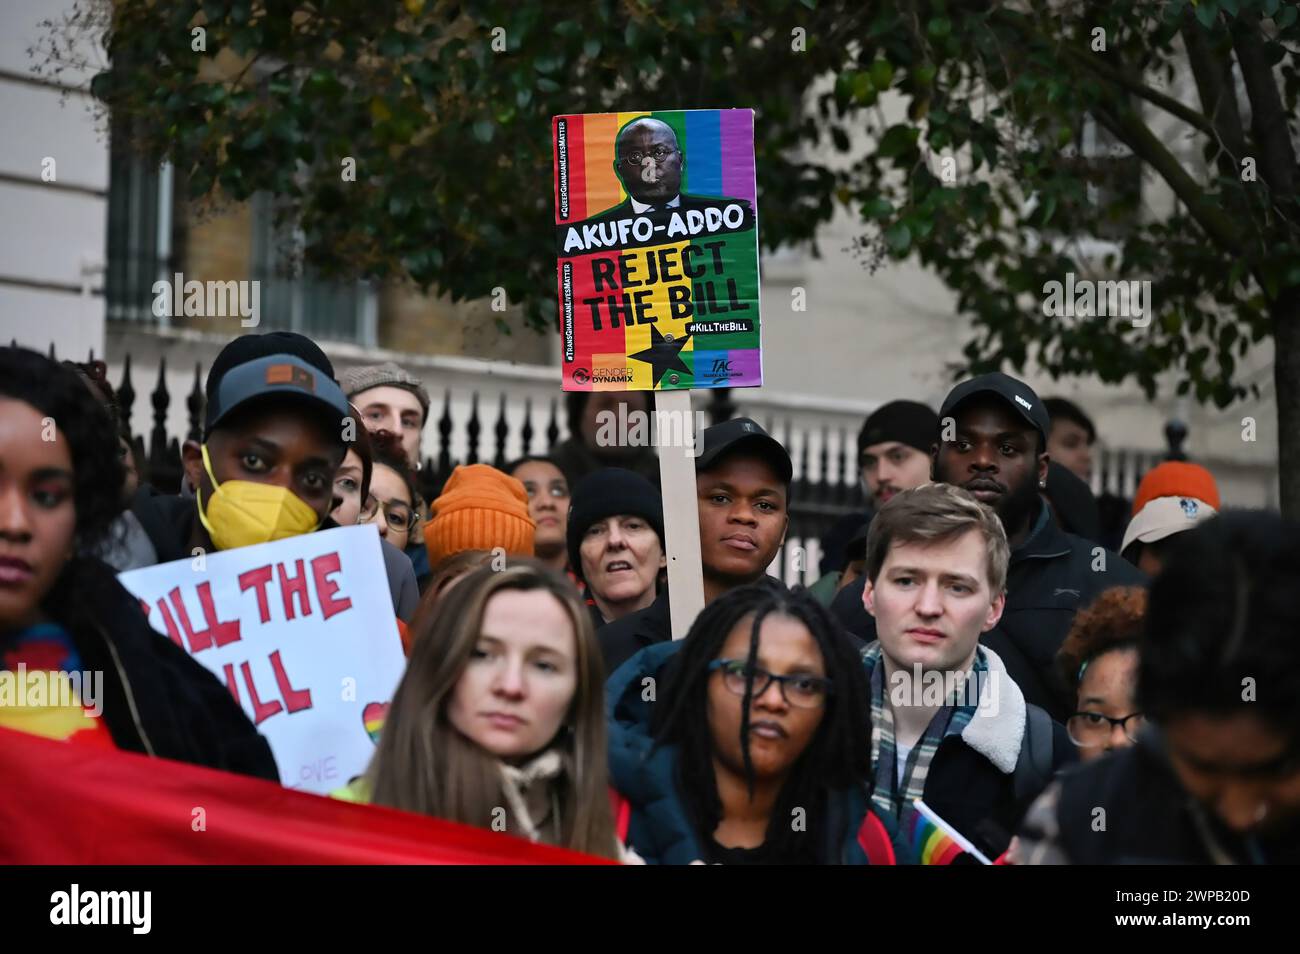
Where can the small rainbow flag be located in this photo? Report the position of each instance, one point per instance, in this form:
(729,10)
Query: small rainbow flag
(935,842)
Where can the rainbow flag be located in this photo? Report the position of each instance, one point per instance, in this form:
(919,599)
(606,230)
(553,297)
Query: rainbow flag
(935,842)
(657,250)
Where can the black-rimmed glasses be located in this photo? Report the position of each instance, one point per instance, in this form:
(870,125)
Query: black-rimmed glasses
(1091,729)
(800,690)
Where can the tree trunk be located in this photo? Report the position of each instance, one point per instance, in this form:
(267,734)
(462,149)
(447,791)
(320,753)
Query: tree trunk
(1286,381)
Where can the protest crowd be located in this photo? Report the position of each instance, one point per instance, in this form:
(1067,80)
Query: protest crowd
(974,674)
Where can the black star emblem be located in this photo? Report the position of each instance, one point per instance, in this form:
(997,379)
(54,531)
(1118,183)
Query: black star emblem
(662,355)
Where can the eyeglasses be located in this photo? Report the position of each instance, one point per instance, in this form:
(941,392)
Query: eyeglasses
(799,690)
(1088,730)
(400,516)
(658,154)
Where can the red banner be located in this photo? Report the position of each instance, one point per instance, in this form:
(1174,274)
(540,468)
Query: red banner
(74,805)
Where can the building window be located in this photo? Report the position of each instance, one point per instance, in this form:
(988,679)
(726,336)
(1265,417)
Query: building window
(294,298)
(139,231)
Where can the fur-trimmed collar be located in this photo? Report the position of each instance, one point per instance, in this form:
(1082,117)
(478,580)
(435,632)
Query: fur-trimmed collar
(997,729)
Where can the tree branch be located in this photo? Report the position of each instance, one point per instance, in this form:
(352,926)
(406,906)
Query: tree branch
(1218,95)
(1129,129)
(1268,120)
(1115,77)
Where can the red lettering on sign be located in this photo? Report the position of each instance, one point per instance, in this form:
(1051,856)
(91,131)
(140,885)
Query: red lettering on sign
(198,641)
(294,699)
(258,578)
(291,586)
(321,568)
(219,631)
(169,624)
(222,631)
(261,710)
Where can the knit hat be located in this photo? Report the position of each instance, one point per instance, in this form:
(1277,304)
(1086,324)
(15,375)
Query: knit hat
(480,508)
(606,493)
(907,422)
(355,380)
(1177,478)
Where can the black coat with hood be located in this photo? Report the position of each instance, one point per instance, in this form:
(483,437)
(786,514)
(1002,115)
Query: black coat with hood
(157,699)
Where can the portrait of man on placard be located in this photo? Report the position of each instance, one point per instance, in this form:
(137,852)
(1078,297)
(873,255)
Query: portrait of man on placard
(649,161)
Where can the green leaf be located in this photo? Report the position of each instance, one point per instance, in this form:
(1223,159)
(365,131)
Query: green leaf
(1229,7)
(939,27)
(882,73)
(897,140)
(484,129)
(877,208)
(1207,11)
(898,237)
(1286,17)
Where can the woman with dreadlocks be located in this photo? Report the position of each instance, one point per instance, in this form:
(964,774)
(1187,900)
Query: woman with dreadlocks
(748,741)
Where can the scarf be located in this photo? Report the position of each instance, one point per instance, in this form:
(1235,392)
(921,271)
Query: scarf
(515,782)
(888,795)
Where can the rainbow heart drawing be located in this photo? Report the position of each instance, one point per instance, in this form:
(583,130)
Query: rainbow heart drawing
(372,717)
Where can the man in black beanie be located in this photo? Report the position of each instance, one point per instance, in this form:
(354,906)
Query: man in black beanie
(615,539)
(893,454)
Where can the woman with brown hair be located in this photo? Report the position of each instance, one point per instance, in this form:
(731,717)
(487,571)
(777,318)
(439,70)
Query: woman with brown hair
(499,719)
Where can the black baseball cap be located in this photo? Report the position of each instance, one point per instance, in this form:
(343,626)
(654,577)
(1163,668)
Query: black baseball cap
(742,434)
(285,376)
(1016,393)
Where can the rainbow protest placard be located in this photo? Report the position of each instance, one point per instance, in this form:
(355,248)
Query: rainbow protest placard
(657,243)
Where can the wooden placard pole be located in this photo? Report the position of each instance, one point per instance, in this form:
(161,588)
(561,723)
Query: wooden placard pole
(681,512)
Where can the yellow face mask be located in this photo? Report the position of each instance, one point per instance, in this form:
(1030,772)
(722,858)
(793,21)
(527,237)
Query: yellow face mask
(241,513)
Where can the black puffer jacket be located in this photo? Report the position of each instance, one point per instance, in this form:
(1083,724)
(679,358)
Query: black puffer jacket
(157,700)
